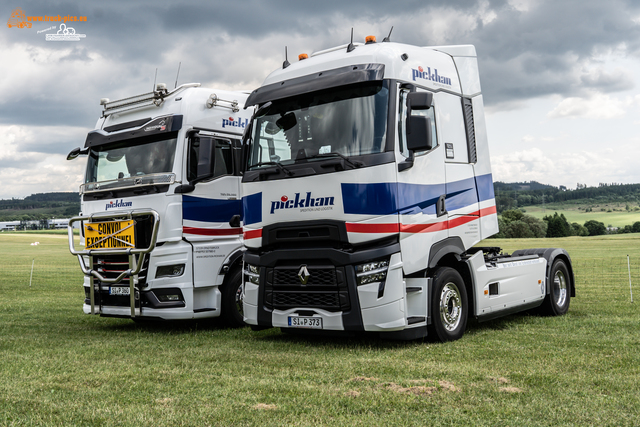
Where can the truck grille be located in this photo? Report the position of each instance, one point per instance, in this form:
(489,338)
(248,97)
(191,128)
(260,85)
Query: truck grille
(319,277)
(110,266)
(325,289)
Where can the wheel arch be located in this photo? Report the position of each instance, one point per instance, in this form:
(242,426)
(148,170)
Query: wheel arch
(447,253)
(233,261)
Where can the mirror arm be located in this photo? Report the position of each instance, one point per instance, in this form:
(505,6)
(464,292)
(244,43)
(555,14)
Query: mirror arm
(185,188)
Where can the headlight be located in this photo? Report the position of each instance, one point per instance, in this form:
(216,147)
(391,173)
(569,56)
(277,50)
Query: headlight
(370,272)
(170,270)
(252,273)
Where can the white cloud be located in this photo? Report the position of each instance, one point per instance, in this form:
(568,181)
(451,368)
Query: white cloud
(25,169)
(564,168)
(598,106)
(520,5)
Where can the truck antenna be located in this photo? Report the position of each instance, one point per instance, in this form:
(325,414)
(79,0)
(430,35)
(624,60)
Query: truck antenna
(154,80)
(351,47)
(286,62)
(388,38)
(177,74)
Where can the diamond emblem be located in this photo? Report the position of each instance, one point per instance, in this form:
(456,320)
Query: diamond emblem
(303,275)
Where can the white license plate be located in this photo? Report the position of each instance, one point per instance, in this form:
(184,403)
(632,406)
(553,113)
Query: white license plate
(305,322)
(119,290)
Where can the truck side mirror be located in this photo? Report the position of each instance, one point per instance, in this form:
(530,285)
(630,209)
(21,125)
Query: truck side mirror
(77,152)
(419,136)
(419,101)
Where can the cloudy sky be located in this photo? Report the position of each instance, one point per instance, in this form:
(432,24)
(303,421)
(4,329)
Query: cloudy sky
(560,78)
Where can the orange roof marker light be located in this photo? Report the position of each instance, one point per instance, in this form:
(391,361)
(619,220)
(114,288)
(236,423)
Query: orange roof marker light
(370,39)
(302,56)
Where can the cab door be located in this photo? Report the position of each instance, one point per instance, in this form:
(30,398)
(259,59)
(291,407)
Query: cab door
(461,201)
(421,189)
(211,170)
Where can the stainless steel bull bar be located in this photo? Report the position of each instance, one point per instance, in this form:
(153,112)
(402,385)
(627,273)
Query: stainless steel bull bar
(135,265)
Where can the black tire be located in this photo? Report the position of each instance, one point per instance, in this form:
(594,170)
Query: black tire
(449,305)
(556,303)
(232,299)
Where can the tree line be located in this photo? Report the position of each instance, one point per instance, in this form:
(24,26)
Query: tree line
(40,206)
(515,224)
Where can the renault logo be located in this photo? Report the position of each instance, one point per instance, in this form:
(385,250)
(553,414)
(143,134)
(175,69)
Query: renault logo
(303,275)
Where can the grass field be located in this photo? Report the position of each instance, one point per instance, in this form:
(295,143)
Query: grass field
(61,367)
(618,217)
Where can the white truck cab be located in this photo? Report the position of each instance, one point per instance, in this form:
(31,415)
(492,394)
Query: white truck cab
(161,186)
(367,183)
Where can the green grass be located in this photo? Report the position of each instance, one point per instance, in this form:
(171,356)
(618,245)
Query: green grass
(618,217)
(61,367)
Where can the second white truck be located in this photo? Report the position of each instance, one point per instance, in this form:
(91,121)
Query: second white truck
(162,183)
(367,184)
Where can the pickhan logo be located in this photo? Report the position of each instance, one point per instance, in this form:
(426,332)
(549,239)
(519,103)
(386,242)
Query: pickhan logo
(236,123)
(118,204)
(301,202)
(431,75)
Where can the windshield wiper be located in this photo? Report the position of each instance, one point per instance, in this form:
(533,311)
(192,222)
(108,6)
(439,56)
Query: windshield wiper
(354,163)
(284,170)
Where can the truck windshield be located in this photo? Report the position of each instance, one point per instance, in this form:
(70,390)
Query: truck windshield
(343,121)
(130,159)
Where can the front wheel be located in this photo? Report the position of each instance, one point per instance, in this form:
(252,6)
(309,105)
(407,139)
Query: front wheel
(449,305)
(556,303)
(232,311)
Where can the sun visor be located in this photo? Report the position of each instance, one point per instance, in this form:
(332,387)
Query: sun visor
(316,81)
(161,127)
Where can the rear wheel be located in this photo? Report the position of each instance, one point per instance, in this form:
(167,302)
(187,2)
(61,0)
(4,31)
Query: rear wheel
(449,305)
(556,303)
(232,312)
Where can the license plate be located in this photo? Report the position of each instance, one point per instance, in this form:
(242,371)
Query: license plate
(119,290)
(109,235)
(305,322)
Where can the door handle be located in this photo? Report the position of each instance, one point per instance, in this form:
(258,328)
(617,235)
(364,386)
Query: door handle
(440,206)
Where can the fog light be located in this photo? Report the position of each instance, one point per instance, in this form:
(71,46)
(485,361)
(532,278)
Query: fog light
(252,274)
(168,297)
(371,272)
(170,271)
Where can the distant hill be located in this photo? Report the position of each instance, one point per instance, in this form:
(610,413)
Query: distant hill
(521,186)
(40,206)
(518,194)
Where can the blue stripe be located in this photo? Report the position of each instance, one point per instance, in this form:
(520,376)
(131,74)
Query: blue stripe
(252,208)
(389,198)
(484,183)
(416,198)
(209,210)
(461,194)
(369,199)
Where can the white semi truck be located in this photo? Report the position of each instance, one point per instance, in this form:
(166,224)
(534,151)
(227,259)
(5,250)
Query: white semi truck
(161,185)
(367,184)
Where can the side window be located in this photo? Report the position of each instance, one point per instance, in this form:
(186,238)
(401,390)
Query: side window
(402,119)
(222,158)
(208,158)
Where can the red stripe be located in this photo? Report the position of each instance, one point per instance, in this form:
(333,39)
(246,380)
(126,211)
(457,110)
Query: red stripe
(212,231)
(424,228)
(420,228)
(253,234)
(488,211)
